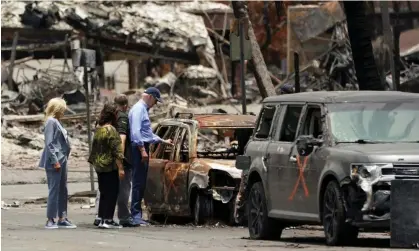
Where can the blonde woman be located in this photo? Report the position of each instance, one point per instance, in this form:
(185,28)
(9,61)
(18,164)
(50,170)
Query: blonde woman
(54,159)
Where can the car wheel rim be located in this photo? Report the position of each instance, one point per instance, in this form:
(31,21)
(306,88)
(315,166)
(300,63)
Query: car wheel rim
(256,212)
(330,214)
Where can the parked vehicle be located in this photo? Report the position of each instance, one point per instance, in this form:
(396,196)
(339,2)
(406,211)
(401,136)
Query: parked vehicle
(197,175)
(328,158)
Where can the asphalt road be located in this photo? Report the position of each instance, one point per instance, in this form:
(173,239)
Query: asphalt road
(22,229)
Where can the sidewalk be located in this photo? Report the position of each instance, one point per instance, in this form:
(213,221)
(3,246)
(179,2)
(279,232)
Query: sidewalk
(10,193)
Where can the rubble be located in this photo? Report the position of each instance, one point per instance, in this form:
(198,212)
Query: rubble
(166,27)
(7,206)
(334,69)
(161,27)
(34,94)
(18,14)
(409,77)
(164,84)
(21,146)
(208,7)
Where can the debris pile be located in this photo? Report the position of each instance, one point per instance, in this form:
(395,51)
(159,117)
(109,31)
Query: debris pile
(7,206)
(211,144)
(34,94)
(409,77)
(198,84)
(163,27)
(21,146)
(18,14)
(333,70)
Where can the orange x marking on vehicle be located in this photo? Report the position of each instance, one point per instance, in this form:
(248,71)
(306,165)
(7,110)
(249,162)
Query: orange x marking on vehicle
(171,182)
(301,167)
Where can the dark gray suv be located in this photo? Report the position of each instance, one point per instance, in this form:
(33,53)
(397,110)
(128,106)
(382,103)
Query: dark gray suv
(328,157)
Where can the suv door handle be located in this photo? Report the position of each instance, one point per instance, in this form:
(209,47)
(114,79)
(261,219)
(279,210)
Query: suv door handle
(293,158)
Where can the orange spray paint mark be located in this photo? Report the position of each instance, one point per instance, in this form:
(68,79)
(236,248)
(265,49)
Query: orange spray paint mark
(301,179)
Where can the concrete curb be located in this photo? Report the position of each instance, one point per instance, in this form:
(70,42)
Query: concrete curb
(84,197)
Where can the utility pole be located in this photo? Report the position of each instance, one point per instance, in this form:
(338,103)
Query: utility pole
(85,58)
(89,123)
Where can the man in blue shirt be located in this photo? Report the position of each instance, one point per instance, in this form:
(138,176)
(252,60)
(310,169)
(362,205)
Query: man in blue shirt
(141,137)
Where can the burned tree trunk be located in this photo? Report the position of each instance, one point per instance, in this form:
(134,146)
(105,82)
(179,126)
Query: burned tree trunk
(359,31)
(257,63)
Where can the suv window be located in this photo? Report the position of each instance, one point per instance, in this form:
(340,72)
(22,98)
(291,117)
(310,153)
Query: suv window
(312,124)
(265,122)
(290,123)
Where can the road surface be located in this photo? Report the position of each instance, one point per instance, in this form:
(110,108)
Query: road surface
(22,229)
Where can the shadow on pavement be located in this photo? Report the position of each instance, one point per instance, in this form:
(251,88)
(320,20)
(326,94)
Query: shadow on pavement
(361,242)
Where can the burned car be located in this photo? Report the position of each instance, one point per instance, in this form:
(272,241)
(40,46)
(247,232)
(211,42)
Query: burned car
(197,177)
(328,158)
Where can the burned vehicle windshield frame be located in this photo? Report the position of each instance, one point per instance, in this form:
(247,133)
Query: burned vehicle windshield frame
(225,149)
(374,122)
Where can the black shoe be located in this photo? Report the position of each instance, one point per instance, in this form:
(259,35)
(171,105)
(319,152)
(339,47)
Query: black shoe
(97,222)
(126,223)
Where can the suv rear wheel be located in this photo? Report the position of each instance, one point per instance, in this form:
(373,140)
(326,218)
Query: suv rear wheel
(261,227)
(336,230)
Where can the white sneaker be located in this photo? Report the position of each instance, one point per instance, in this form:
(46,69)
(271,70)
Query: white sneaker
(110,224)
(51,224)
(102,224)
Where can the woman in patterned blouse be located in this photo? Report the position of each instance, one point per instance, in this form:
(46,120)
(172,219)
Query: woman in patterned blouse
(106,156)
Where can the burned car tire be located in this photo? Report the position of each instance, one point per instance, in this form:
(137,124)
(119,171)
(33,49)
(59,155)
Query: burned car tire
(261,227)
(336,230)
(202,209)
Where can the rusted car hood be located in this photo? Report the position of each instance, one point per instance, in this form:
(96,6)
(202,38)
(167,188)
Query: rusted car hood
(225,165)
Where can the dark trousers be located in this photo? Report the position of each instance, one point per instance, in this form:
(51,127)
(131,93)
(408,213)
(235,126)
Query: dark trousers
(109,188)
(123,196)
(139,179)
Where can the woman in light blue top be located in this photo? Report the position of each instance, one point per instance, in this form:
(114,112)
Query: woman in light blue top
(54,159)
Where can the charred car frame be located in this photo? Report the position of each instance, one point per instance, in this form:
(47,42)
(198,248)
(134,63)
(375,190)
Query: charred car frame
(329,158)
(197,175)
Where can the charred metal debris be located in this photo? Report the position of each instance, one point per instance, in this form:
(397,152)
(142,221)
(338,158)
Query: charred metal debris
(333,70)
(332,66)
(31,95)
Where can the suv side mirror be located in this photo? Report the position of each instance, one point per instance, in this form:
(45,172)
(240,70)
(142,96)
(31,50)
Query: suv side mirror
(306,143)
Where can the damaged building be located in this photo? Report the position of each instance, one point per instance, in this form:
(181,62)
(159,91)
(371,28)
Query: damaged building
(178,39)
